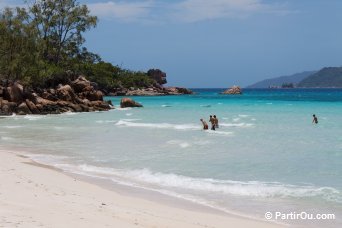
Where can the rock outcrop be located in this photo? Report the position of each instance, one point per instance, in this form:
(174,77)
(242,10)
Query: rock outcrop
(143,92)
(157,75)
(154,89)
(177,91)
(233,90)
(79,96)
(14,93)
(128,102)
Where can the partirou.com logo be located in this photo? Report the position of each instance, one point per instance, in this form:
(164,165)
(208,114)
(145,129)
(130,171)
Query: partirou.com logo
(298,216)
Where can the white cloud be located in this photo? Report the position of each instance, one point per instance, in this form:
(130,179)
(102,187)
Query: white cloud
(122,10)
(200,10)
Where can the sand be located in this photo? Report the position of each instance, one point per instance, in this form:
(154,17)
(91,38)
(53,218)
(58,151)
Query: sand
(36,196)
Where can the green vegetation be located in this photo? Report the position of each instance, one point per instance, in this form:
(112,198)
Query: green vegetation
(43,45)
(326,77)
(108,76)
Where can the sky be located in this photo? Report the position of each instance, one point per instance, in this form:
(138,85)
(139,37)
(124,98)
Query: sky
(216,43)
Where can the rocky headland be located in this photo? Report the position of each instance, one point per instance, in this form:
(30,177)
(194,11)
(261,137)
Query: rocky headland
(154,89)
(77,96)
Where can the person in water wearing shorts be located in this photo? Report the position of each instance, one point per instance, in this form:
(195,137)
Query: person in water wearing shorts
(314,120)
(205,125)
(216,122)
(212,121)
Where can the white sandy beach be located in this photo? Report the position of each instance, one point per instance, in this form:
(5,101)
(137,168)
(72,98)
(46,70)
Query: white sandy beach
(36,196)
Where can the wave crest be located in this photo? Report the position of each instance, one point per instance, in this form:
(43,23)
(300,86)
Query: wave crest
(126,123)
(227,187)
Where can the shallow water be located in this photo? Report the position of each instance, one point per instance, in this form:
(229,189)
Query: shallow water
(266,155)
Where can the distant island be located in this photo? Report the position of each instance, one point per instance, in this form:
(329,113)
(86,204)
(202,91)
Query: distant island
(279,81)
(328,77)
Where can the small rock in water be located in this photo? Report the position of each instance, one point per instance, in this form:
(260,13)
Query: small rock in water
(233,90)
(128,102)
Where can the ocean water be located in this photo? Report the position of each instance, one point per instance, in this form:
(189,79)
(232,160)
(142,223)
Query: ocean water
(266,155)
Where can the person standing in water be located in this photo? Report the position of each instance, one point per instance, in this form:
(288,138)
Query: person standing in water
(205,125)
(216,122)
(314,120)
(212,121)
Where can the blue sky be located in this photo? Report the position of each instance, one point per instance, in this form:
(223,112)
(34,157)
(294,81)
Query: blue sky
(217,43)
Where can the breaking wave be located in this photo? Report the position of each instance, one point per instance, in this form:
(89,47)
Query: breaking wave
(178,183)
(126,123)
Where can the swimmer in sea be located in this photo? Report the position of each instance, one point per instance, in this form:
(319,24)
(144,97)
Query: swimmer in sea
(314,120)
(205,125)
(212,121)
(216,122)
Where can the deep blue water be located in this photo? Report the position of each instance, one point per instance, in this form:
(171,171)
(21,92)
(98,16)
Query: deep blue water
(301,95)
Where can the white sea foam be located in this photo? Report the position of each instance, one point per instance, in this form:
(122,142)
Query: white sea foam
(126,123)
(237,124)
(226,133)
(33,117)
(180,143)
(166,106)
(252,188)
(105,121)
(5,138)
(255,189)
(59,128)
(70,113)
(243,116)
(49,159)
(184,145)
(194,189)
(129,114)
(123,109)
(13,127)
(236,119)
(106,174)
(130,120)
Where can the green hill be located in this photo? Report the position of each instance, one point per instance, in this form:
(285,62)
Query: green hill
(326,77)
(279,81)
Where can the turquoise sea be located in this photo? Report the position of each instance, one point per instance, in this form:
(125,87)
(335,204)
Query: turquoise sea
(266,156)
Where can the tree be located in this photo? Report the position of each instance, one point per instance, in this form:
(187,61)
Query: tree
(42,45)
(17,44)
(60,25)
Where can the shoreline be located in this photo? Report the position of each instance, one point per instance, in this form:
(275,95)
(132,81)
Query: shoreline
(97,202)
